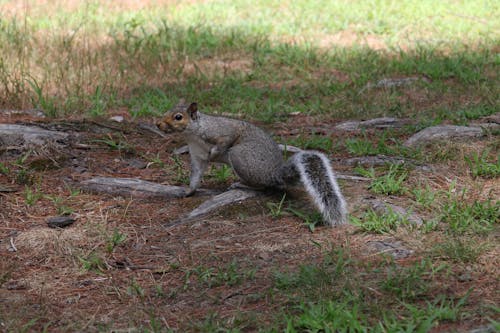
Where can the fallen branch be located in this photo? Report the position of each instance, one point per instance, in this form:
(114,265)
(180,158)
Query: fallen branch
(214,203)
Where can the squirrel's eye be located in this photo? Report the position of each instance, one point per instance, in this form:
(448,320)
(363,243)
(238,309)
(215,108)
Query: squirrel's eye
(178,116)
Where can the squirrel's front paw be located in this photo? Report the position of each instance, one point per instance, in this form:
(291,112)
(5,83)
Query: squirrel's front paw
(189,192)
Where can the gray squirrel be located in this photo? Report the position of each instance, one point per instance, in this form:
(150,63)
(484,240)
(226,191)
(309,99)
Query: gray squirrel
(254,157)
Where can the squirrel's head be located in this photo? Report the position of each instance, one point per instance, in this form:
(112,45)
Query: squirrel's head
(178,118)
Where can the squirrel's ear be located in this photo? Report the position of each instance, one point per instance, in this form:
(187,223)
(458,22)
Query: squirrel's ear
(193,110)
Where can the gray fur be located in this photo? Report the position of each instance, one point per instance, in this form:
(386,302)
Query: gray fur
(258,161)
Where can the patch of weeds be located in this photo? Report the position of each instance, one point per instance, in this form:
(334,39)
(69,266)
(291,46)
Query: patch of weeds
(425,197)
(316,142)
(155,324)
(276,209)
(158,291)
(318,280)
(411,282)
(154,161)
(181,174)
(364,147)
(480,167)
(21,160)
(61,207)
(28,327)
(459,249)
(308,277)
(424,319)
(4,170)
(441,152)
(368,173)
(373,222)
(391,183)
(118,144)
(205,275)
(463,217)
(344,315)
(31,196)
(360,147)
(116,239)
(213,323)
(99,102)
(429,226)
(311,219)
(462,117)
(41,101)
(135,289)
(229,275)
(73,192)
(24,174)
(93,262)
(494,323)
(221,173)
(349,314)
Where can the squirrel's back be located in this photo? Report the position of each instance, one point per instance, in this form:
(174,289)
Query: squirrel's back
(254,156)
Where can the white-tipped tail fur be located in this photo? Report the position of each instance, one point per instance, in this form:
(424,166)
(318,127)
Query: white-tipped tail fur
(320,182)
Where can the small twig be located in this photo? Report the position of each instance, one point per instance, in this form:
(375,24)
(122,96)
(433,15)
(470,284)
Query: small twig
(348,177)
(84,146)
(235,293)
(12,246)
(118,129)
(151,128)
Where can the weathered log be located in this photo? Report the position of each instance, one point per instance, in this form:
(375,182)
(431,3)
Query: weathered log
(446,132)
(376,160)
(381,207)
(132,187)
(378,123)
(391,247)
(218,201)
(24,137)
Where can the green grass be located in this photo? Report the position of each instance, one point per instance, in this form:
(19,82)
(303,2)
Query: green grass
(32,195)
(386,144)
(424,196)
(481,167)
(377,223)
(237,57)
(334,296)
(476,217)
(411,282)
(459,249)
(229,274)
(390,183)
(116,239)
(314,142)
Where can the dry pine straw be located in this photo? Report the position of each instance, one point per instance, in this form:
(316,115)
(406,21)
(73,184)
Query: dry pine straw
(45,277)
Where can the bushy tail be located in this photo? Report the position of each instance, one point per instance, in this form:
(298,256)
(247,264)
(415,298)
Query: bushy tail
(319,181)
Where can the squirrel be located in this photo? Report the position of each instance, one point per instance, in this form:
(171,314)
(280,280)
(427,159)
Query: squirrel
(254,157)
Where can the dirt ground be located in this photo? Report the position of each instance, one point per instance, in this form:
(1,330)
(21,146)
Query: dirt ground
(86,277)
